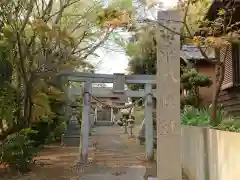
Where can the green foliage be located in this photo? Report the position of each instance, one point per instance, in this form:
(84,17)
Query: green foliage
(191,78)
(18,151)
(79,102)
(231,125)
(145,63)
(59,130)
(38,40)
(142,51)
(5,68)
(195,117)
(202,117)
(48,131)
(43,130)
(143,55)
(190,99)
(7,103)
(196,14)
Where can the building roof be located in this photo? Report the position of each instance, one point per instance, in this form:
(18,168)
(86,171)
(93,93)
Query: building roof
(190,52)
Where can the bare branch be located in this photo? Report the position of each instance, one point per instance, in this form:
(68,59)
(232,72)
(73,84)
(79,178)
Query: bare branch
(95,47)
(29,12)
(61,10)
(59,15)
(189,36)
(186,11)
(80,41)
(48,9)
(162,25)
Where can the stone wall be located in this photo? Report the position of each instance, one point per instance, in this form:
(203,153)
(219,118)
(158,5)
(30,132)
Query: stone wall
(209,154)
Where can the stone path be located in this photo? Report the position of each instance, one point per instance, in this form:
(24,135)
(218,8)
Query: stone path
(112,156)
(115,157)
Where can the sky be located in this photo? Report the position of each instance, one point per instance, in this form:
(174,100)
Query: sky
(115,61)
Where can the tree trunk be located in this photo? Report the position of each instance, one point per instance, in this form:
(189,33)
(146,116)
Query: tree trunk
(18,99)
(28,104)
(219,81)
(25,106)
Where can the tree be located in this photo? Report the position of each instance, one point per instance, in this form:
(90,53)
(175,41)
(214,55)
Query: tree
(218,34)
(143,58)
(142,53)
(191,80)
(38,40)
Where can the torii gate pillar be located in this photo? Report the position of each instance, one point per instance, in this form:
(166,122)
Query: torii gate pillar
(85,123)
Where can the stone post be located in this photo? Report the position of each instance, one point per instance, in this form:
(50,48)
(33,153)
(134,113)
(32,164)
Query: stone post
(168,97)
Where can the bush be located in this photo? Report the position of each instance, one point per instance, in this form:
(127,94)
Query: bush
(43,132)
(201,117)
(59,130)
(195,117)
(231,125)
(17,151)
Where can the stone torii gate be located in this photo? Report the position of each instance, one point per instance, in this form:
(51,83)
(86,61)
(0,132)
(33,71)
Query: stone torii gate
(119,81)
(168,96)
